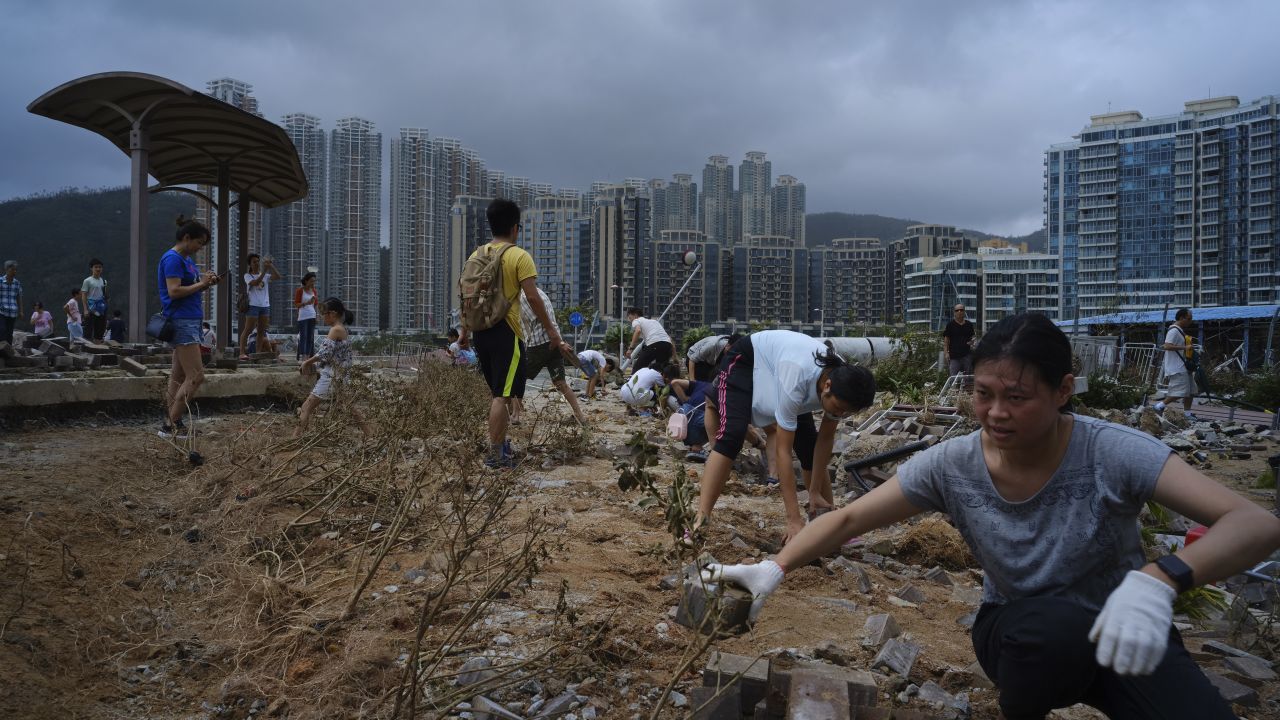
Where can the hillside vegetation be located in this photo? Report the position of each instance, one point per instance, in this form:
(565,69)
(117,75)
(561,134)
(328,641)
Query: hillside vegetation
(53,237)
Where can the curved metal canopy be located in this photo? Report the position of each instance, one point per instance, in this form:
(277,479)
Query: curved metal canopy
(189,134)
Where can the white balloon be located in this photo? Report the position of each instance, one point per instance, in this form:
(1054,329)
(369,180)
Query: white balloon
(690,257)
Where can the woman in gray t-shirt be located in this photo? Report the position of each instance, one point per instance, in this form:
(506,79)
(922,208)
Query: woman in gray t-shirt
(1048,502)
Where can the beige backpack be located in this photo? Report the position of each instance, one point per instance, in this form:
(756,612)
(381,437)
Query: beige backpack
(482,301)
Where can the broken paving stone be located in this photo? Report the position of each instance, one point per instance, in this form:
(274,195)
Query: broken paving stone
(966,595)
(677,699)
(841,603)
(817,695)
(482,708)
(710,703)
(750,674)
(938,575)
(932,692)
(557,706)
(879,629)
(911,594)
(861,581)
(713,607)
(475,670)
(1232,691)
(980,679)
(670,582)
(1221,648)
(833,653)
(1178,444)
(898,656)
(1250,667)
(899,602)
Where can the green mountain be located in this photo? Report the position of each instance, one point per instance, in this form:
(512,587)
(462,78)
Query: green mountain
(822,228)
(53,236)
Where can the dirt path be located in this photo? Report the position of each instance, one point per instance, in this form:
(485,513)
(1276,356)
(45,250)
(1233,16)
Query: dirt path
(113,607)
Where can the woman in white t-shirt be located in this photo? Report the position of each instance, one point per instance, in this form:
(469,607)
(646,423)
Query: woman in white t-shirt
(305,299)
(657,349)
(258,314)
(776,380)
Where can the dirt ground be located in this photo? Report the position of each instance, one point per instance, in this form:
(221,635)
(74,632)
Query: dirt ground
(115,598)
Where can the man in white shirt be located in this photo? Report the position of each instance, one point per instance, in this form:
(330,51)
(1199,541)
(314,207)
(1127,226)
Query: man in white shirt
(1177,347)
(594,365)
(657,349)
(640,391)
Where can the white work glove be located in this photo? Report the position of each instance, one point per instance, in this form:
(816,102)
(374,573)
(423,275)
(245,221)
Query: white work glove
(1133,628)
(760,580)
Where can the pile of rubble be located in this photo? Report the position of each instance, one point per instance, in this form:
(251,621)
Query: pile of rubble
(32,353)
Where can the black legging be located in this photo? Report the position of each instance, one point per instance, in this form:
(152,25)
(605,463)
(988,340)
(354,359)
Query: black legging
(1037,652)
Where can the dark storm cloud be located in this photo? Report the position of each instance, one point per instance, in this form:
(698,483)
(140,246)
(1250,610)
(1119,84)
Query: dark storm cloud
(936,111)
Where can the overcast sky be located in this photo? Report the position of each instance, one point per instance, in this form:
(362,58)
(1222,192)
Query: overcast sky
(938,111)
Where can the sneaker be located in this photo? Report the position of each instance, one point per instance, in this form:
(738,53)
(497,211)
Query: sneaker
(768,481)
(698,456)
(503,463)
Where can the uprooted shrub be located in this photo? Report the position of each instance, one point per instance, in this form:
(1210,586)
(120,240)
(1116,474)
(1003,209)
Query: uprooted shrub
(911,374)
(1107,393)
(327,617)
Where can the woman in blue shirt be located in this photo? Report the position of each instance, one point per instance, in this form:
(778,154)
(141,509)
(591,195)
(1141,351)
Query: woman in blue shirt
(180,284)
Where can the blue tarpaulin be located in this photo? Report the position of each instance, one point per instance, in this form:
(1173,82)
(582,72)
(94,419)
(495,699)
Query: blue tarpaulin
(1158,317)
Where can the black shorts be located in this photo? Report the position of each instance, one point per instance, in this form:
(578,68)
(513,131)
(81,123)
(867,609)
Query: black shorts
(658,353)
(731,396)
(500,353)
(542,356)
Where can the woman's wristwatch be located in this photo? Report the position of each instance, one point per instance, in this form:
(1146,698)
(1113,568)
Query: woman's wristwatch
(1178,571)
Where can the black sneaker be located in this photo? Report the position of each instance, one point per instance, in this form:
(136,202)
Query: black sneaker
(177,429)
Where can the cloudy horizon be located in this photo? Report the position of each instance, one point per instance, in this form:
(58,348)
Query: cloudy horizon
(936,111)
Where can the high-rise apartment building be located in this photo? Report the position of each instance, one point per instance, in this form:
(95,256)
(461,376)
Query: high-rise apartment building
(620,247)
(657,207)
(549,231)
(468,230)
(849,281)
(1177,209)
(1015,282)
(919,241)
(755,180)
(418,249)
(297,230)
(355,215)
(239,94)
(787,208)
(718,212)
(770,280)
(700,303)
(935,284)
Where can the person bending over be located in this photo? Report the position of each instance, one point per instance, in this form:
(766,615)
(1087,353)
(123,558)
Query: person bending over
(781,378)
(657,348)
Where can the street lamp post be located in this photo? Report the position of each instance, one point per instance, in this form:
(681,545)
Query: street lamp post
(622,309)
(821,320)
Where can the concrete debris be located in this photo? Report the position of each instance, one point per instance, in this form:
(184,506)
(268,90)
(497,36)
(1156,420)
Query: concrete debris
(1250,667)
(1232,691)
(879,629)
(898,656)
(911,594)
(482,708)
(938,575)
(475,670)
(955,707)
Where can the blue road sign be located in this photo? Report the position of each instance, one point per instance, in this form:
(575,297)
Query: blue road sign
(575,319)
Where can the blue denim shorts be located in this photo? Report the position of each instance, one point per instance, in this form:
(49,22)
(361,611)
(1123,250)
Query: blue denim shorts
(255,311)
(186,331)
